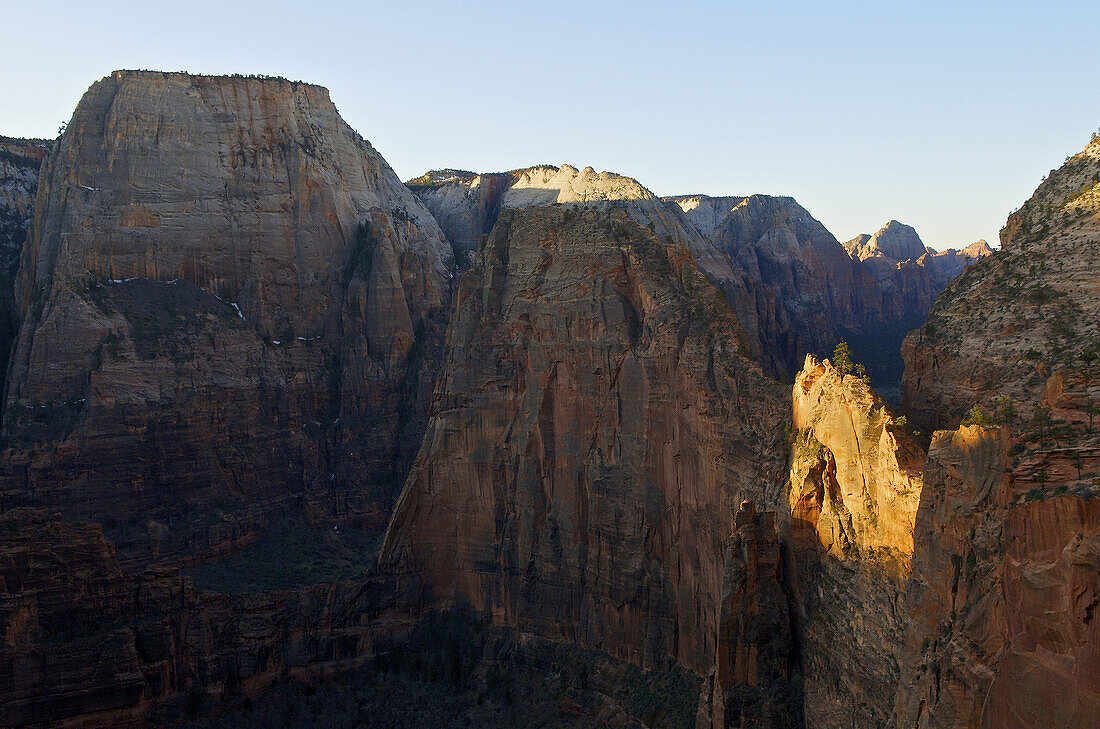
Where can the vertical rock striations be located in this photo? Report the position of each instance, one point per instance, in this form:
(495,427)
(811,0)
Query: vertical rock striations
(19,163)
(801,286)
(85,643)
(793,287)
(1005,587)
(757,680)
(593,432)
(1006,576)
(854,491)
(228,301)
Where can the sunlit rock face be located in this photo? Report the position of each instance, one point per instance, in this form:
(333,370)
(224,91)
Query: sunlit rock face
(854,490)
(1003,595)
(594,431)
(792,286)
(229,304)
(1007,562)
(1008,324)
(801,284)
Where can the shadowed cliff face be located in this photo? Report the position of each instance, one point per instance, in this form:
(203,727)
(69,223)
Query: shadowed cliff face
(793,287)
(801,282)
(19,163)
(593,430)
(229,300)
(86,643)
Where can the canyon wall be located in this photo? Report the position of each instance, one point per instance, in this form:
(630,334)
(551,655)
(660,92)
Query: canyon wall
(794,288)
(229,304)
(1006,573)
(19,163)
(1021,316)
(232,311)
(87,643)
(854,490)
(593,433)
(1003,596)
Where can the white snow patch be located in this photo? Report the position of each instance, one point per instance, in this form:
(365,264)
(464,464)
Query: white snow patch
(90,189)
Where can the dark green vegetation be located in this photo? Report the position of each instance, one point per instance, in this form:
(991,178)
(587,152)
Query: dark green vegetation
(454,670)
(879,348)
(291,555)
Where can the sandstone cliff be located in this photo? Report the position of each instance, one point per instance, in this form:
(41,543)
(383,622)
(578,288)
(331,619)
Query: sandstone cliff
(1006,580)
(1006,574)
(854,490)
(467,204)
(1022,315)
(87,643)
(757,680)
(792,286)
(946,266)
(19,163)
(229,301)
(800,286)
(593,432)
(895,241)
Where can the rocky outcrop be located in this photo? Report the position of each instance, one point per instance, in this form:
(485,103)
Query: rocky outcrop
(86,643)
(594,430)
(801,284)
(1023,314)
(1005,585)
(895,241)
(230,304)
(896,257)
(854,490)
(798,291)
(1006,574)
(756,681)
(946,266)
(864,501)
(467,204)
(19,163)
(791,284)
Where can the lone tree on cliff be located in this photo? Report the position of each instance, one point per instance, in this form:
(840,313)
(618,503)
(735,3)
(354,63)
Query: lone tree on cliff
(974,417)
(1041,418)
(1004,410)
(842,359)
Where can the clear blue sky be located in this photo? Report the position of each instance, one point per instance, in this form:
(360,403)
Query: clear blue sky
(943,115)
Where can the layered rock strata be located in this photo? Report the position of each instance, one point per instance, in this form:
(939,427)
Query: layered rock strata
(594,430)
(19,163)
(802,289)
(1021,316)
(756,681)
(1005,588)
(1006,574)
(229,303)
(854,491)
(792,285)
(87,643)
